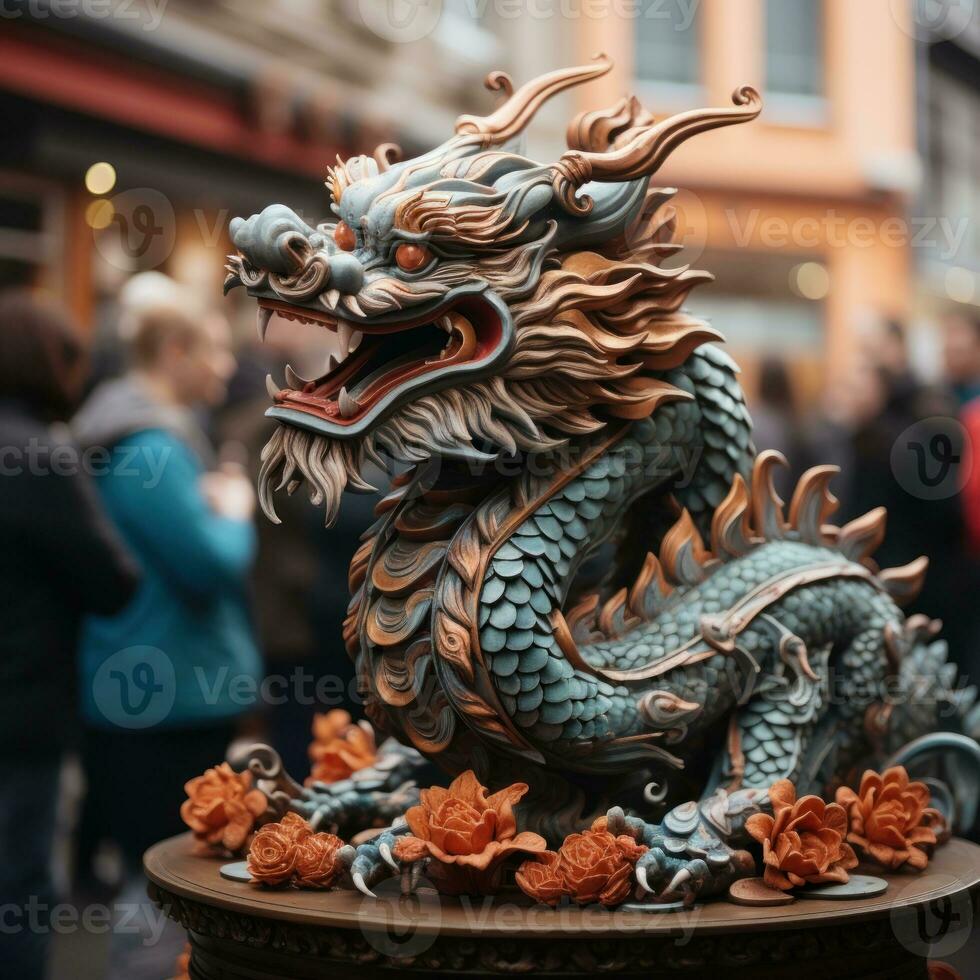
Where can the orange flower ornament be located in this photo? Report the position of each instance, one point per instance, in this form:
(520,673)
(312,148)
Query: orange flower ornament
(597,866)
(467,833)
(340,747)
(317,866)
(803,841)
(890,819)
(221,807)
(541,879)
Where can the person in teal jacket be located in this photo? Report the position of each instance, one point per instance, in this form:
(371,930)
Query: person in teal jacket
(165,682)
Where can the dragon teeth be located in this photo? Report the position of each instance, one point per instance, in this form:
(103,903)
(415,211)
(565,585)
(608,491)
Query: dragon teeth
(295,380)
(344,333)
(348,337)
(333,297)
(349,406)
(332,363)
(262,321)
(271,387)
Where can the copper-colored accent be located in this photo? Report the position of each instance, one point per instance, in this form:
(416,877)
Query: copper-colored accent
(683,553)
(598,129)
(736,757)
(767,507)
(651,575)
(386,154)
(731,528)
(647,149)
(519,109)
(860,538)
(903,584)
(813,503)
(568,646)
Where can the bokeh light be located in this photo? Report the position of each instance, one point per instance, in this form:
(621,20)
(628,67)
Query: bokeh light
(100,178)
(810,280)
(99,214)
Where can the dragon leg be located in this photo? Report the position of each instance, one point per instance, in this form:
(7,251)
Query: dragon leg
(698,848)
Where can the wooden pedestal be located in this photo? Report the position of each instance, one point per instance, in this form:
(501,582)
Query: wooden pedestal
(239,932)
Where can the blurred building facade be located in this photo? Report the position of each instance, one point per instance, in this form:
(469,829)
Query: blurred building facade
(203,110)
(948,71)
(853,200)
(803,216)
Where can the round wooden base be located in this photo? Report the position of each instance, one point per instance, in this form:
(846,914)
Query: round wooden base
(238,931)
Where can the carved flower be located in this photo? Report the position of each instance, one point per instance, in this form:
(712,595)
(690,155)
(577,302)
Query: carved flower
(597,866)
(890,818)
(468,833)
(221,807)
(340,747)
(275,850)
(803,842)
(317,865)
(540,879)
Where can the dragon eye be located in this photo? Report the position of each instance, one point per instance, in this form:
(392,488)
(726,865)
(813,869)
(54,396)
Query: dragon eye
(343,235)
(412,257)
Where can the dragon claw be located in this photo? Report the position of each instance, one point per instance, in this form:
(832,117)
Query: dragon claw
(361,885)
(668,876)
(375,860)
(388,858)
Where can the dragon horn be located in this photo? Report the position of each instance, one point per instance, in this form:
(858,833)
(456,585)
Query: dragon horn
(386,154)
(520,107)
(645,150)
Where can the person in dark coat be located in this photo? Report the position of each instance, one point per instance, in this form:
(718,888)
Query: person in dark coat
(60,559)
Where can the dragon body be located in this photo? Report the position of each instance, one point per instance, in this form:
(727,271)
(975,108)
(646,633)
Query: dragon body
(585,579)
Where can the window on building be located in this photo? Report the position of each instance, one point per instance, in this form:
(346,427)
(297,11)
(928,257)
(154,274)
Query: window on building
(794,47)
(667,45)
(28,210)
(953,162)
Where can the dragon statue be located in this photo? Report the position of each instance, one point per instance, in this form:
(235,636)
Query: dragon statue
(585,579)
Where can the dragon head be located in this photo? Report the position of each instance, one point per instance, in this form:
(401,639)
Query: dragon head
(483,303)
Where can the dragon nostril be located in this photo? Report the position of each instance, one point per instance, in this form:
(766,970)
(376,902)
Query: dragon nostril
(277,239)
(346,273)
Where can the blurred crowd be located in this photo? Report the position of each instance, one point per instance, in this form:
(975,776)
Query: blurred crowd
(146,604)
(904,444)
(146,608)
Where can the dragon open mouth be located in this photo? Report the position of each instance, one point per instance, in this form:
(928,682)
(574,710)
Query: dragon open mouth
(382,364)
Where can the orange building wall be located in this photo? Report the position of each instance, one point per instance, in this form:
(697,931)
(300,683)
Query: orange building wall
(785,171)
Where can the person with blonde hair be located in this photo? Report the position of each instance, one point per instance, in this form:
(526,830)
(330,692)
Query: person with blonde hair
(165,682)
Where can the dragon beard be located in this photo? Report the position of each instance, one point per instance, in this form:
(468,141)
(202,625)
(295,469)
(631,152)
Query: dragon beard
(573,366)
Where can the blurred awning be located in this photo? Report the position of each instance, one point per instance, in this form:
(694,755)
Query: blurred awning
(145,85)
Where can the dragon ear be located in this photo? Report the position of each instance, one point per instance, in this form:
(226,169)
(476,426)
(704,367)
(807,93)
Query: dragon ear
(641,149)
(521,106)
